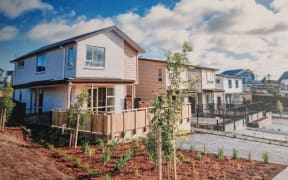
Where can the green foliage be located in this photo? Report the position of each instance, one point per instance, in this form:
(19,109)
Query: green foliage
(192,149)
(101,144)
(106,157)
(94,173)
(279,107)
(249,155)
(91,152)
(106,177)
(123,161)
(235,154)
(78,162)
(85,147)
(265,157)
(199,156)
(6,101)
(70,157)
(86,167)
(220,154)
(168,105)
(205,151)
(50,146)
(234,135)
(78,108)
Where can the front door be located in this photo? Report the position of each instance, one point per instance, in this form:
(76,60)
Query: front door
(39,96)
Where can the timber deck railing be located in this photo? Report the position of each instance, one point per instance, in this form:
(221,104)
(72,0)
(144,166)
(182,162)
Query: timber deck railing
(111,124)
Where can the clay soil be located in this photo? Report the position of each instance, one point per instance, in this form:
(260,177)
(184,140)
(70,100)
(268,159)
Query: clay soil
(26,160)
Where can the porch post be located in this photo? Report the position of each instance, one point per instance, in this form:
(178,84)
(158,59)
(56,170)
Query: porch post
(133,95)
(69,92)
(91,98)
(37,101)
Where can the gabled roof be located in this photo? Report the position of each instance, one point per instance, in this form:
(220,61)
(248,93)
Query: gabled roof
(229,76)
(232,72)
(80,38)
(163,61)
(283,76)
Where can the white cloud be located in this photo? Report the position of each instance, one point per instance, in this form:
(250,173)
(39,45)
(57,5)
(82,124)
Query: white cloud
(8,33)
(14,8)
(224,33)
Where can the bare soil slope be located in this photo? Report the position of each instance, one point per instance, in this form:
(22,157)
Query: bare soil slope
(19,160)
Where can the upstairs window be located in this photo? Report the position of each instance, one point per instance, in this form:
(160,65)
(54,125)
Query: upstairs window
(160,75)
(230,83)
(70,56)
(209,76)
(20,64)
(95,56)
(41,63)
(236,84)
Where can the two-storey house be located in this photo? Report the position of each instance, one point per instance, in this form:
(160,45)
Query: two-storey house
(104,61)
(232,87)
(153,78)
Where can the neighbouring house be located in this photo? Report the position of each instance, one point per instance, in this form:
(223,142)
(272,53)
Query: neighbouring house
(153,77)
(283,81)
(104,61)
(1,77)
(232,87)
(8,78)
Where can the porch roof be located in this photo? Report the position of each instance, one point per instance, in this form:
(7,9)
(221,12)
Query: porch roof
(74,80)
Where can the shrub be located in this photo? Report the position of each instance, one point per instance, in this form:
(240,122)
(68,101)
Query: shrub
(70,157)
(78,162)
(205,149)
(50,146)
(86,167)
(220,154)
(91,152)
(234,135)
(106,177)
(199,157)
(180,156)
(249,155)
(265,157)
(235,154)
(85,147)
(106,157)
(192,148)
(94,173)
(123,160)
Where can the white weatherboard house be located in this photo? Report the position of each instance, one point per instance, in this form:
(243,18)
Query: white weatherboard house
(232,87)
(103,61)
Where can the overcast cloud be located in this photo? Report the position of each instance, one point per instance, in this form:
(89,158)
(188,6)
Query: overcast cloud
(225,34)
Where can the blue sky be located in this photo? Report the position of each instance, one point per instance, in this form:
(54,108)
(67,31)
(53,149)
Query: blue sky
(225,34)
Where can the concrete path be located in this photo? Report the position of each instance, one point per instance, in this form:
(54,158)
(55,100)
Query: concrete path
(277,154)
(283,175)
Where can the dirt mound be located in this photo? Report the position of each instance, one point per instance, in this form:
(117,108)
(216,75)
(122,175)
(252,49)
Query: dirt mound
(19,159)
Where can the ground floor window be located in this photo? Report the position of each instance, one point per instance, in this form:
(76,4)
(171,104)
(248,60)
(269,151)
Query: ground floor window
(101,99)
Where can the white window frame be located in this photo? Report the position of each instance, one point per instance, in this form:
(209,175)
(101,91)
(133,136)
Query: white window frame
(70,60)
(209,76)
(20,64)
(41,66)
(160,75)
(95,106)
(89,62)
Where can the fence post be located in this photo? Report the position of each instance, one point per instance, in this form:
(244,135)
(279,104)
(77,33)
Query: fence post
(217,125)
(135,120)
(197,114)
(234,119)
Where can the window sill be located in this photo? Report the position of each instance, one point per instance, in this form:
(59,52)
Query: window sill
(41,72)
(94,68)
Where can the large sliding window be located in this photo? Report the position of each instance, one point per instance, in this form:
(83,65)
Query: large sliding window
(101,99)
(95,56)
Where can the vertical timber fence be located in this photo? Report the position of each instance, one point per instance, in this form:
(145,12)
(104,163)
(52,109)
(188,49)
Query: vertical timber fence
(129,123)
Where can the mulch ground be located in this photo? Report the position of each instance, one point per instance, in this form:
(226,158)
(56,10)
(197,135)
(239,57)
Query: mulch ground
(61,163)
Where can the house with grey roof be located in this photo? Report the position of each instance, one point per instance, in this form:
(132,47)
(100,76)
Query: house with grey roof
(102,61)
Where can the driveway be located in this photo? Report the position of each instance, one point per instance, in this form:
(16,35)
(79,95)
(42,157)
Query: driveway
(277,154)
